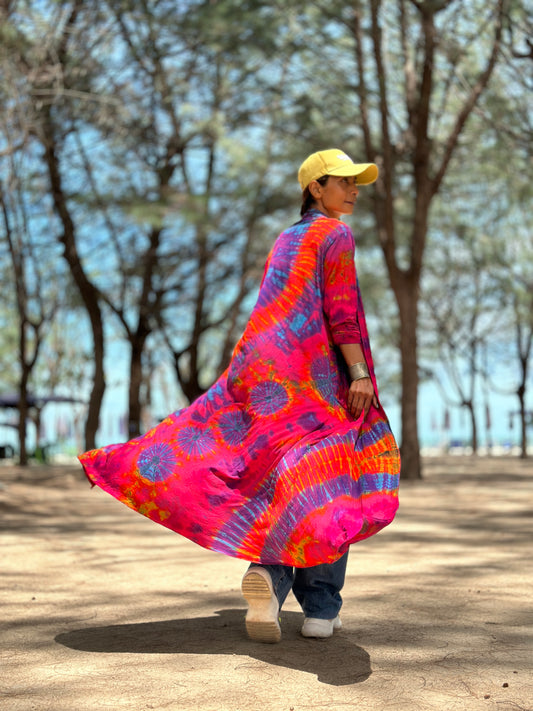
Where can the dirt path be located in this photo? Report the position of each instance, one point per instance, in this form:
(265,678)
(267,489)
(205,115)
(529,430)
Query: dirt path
(102,609)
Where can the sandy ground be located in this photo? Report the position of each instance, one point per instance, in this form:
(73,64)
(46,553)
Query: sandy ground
(103,609)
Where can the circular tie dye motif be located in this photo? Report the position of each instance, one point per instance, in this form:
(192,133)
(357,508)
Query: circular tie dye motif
(233,426)
(268,398)
(195,441)
(157,462)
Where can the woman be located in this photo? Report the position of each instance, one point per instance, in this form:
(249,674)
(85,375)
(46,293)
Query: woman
(288,458)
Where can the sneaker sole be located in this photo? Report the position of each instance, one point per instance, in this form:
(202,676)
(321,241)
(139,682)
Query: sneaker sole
(261,619)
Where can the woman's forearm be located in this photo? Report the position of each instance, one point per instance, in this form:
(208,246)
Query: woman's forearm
(353,353)
(361,392)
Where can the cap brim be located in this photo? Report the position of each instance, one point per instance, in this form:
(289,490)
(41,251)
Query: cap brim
(366,173)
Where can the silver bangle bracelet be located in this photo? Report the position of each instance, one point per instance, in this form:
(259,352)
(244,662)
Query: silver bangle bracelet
(358,371)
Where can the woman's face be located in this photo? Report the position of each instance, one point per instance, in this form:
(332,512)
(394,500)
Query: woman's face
(337,197)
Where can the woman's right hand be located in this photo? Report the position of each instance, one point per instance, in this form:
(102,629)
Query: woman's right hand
(360,396)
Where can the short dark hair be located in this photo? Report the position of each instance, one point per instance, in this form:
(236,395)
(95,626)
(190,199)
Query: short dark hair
(307,198)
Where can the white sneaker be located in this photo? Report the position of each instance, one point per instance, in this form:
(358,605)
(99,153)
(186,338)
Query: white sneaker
(262,618)
(314,627)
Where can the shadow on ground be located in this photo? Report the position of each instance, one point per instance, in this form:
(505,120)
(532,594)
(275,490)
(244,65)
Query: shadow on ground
(337,662)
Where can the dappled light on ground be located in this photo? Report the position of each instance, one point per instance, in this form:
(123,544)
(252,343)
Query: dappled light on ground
(104,609)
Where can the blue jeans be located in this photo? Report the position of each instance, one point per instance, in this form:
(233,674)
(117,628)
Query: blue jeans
(317,589)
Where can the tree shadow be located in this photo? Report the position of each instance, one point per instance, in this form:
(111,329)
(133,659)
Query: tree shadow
(337,661)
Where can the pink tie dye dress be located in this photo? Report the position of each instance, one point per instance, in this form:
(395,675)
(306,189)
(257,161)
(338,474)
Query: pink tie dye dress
(268,465)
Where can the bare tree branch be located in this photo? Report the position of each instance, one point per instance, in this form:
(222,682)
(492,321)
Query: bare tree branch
(471,100)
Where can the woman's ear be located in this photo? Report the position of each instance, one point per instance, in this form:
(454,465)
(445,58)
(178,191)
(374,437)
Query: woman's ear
(315,189)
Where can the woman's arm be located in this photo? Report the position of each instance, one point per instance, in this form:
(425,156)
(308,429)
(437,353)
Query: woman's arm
(361,393)
(340,299)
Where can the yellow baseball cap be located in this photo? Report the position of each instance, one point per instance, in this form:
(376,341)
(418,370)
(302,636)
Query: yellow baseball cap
(335,162)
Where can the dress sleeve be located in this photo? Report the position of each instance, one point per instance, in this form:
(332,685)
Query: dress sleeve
(340,287)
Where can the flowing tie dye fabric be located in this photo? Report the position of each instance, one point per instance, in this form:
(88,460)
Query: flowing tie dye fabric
(268,465)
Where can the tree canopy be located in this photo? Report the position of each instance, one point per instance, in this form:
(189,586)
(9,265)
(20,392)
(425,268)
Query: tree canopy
(152,148)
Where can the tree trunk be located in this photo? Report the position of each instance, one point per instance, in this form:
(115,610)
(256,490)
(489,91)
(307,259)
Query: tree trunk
(17,254)
(473,422)
(419,87)
(88,291)
(23,413)
(98,388)
(136,381)
(137,339)
(410,446)
(521,392)
(37,422)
